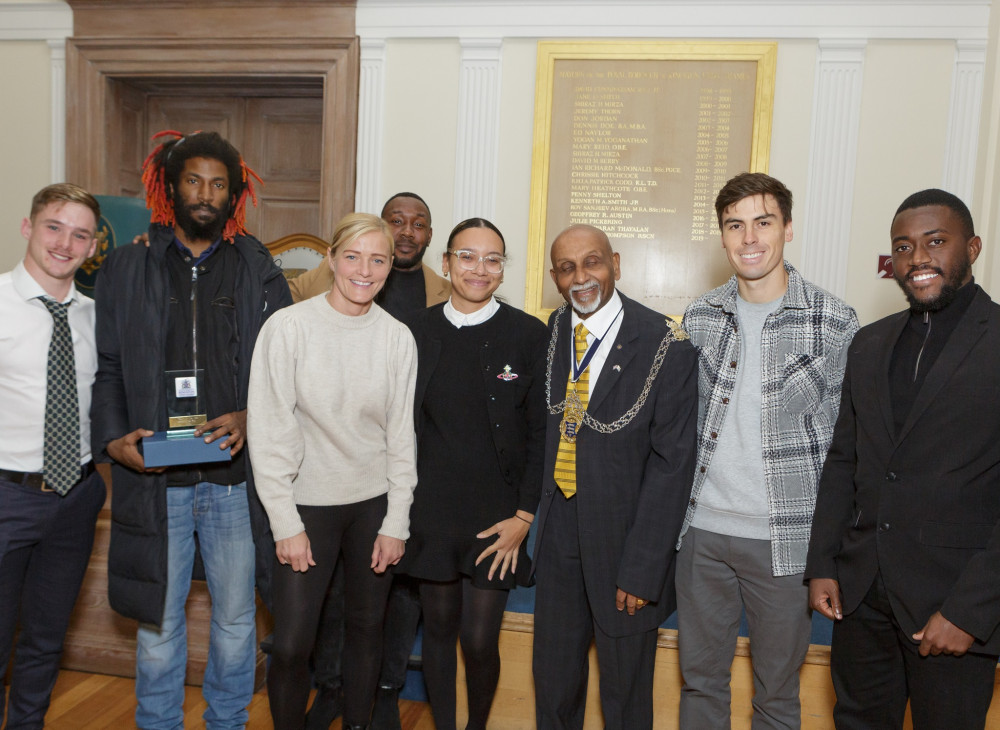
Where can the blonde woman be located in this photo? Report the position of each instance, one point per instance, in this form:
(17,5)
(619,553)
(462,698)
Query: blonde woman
(331,426)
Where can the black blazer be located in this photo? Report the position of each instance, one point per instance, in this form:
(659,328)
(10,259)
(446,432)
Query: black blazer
(633,485)
(923,507)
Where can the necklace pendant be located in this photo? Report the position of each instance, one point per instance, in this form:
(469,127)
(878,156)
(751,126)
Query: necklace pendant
(572,420)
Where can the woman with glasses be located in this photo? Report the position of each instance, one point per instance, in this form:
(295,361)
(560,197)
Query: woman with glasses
(480,415)
(330,417)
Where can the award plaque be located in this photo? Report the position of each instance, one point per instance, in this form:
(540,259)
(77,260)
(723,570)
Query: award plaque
(185,401)
(186,411)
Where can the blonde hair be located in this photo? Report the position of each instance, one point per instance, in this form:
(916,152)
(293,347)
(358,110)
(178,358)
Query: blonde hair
(64,193)
(355,225)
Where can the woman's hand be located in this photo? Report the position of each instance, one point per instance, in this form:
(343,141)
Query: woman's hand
(295,551)
(510,534)
(388,551)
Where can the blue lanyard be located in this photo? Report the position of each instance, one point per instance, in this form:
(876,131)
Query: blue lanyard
(579,368)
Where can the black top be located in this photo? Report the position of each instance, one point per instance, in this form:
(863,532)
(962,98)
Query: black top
(918,347)
(404,293)
(480,418)
(206,289)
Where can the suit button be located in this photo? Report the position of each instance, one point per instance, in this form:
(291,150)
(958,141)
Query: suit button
(493,397)
(701,469)
(725,401)
(714,435)
(693,501)
(732,363)
(497,425)
(891,477)
(884,527)
(548,492)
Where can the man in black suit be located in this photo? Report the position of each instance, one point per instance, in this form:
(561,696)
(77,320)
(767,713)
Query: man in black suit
(905,547)
(620,451)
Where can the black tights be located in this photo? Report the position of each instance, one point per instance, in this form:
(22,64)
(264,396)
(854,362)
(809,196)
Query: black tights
(452,610)
(350,530)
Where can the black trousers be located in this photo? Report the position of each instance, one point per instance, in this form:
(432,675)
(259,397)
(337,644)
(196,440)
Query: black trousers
(45,544)
(876,667)
(564,628)
(347,530)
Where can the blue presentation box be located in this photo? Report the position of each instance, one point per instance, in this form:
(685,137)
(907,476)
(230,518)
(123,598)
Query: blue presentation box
(161,450)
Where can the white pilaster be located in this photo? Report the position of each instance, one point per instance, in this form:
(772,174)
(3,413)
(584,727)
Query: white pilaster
(371,121)
(57,56)
(963,118)
(477,147)
(832,159)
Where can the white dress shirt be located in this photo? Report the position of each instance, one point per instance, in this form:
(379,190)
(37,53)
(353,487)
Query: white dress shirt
(468,320)
(25,334)
(603,323)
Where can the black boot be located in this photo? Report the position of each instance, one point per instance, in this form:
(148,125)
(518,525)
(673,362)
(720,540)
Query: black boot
(357,727)
(326,708)
(386,713)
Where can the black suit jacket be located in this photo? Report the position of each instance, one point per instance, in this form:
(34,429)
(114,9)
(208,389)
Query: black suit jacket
(924,506)
(633,485)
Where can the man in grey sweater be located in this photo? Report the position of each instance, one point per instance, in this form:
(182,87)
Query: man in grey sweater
(772,353)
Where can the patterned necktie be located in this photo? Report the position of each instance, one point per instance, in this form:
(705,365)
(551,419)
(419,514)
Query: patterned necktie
(62,406)
(565,471)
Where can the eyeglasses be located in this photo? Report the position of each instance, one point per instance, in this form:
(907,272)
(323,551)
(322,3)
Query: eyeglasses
(469,261)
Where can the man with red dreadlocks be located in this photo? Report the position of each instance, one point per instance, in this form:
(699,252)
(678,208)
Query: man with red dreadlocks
(194,299)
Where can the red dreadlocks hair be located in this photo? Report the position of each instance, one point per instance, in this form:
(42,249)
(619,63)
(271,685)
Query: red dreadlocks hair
(161,172)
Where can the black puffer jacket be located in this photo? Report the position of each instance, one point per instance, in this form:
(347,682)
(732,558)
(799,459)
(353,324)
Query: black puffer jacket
(132,295)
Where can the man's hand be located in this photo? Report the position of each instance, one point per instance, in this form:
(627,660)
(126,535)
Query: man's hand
(510,534)
(387,551)
(124,451)
(234,424)
(295,551)
(627,602)
(141,238)
(824,596)
(941,636)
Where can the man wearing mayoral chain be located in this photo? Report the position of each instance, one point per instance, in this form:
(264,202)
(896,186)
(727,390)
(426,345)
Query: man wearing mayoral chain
(620,446)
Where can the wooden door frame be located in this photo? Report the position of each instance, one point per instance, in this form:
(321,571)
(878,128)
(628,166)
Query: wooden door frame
(93,64)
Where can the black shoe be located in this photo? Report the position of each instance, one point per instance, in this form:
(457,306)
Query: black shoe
(357,727)
(326,708)
(386,713)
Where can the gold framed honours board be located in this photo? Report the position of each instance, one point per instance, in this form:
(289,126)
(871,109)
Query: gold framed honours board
(636,138)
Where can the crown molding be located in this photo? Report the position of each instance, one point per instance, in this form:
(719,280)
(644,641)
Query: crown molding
(48,21)
(814,19)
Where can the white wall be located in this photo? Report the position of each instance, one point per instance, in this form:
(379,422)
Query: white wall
(24,139)
(908,59)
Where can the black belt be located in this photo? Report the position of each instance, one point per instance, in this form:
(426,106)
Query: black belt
(36,479)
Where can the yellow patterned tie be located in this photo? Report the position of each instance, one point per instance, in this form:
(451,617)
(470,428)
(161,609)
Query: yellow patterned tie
(565,471)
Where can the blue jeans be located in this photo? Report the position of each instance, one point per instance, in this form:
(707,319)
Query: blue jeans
(221,517)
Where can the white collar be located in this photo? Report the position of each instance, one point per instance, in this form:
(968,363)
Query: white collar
(27,288)
(600,321)
(468,320)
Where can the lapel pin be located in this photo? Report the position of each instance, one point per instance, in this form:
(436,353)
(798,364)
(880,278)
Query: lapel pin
(617,368)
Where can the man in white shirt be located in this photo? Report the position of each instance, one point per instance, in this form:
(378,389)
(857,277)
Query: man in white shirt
(48,487)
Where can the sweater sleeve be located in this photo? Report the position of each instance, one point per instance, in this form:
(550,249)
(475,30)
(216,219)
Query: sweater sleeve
(401,452)
(272,429)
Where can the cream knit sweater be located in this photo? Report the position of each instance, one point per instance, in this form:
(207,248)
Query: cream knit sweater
(330,413)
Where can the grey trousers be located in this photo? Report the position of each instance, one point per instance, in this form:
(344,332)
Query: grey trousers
(717,575)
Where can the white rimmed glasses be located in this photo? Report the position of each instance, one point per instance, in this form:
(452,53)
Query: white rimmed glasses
(469,260)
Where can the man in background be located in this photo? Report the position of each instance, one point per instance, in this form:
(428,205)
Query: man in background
(412,285)
(50,493)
